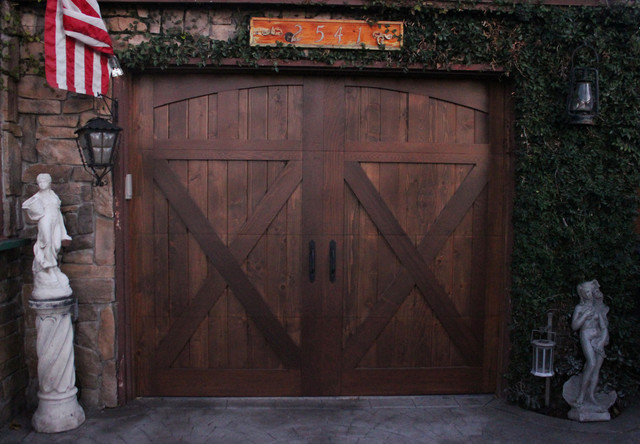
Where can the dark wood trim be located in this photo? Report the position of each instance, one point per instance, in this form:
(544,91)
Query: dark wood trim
(480,4)
(227,145)
(344,67)
(508,138)
(413,381)
(124,361)
(244,382)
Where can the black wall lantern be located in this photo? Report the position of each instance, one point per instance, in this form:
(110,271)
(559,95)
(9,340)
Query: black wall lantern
(582,103)
(97,144)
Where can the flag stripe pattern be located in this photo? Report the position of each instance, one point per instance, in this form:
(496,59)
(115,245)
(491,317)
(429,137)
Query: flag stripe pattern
(77,47)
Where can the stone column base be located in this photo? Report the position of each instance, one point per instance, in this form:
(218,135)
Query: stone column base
(58,413)
(581,415)
(58,407)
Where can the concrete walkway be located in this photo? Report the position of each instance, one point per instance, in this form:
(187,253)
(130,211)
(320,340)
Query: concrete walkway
(413,419)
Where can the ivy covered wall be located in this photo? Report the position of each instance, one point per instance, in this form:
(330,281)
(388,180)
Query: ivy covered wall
(576,187)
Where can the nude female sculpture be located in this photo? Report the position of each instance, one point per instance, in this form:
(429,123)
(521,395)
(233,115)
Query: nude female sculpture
(590,318)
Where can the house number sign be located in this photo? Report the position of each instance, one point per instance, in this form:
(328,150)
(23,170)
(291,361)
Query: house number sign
(311,33)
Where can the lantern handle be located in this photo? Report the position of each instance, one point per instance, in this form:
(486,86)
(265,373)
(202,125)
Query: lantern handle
(584,45)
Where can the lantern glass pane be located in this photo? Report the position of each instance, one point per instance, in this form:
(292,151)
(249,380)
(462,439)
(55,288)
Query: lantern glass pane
(102,145)
(542,362)
(582,97)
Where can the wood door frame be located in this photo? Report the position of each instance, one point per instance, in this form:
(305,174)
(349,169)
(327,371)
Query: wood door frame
(501,132)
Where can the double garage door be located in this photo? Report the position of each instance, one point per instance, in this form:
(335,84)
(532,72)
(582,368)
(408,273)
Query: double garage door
(316,235)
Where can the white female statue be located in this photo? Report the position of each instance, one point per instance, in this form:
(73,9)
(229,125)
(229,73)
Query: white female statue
(44,207)
(590,317)
(58,409)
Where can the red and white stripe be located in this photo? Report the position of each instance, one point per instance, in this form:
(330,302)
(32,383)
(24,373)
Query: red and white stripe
(77,47)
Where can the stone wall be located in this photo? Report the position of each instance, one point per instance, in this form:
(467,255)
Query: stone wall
(51,117)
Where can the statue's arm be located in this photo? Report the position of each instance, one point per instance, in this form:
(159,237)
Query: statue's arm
(579,316)
(604,336)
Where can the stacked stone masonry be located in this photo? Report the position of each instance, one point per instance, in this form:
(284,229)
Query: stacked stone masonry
(53,116)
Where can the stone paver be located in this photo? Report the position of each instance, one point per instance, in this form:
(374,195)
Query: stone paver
(371,420)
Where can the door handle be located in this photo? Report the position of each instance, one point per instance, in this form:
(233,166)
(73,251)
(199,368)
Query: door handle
(312,261)
(332,261)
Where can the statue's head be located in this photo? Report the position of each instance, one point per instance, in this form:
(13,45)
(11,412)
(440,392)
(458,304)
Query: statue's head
(44,181)
(588,290)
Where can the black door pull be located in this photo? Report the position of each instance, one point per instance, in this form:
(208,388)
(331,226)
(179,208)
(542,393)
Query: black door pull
(312,261)
(332,261)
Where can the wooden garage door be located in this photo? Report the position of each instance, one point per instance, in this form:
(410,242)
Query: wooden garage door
(316,235)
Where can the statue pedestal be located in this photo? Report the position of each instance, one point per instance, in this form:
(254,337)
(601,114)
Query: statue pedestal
(58,408)
(588,411)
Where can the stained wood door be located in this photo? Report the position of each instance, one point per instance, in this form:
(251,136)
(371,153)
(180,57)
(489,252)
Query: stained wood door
(389,191)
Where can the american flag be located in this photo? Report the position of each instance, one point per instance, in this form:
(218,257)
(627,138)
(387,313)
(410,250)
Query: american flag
(78,50)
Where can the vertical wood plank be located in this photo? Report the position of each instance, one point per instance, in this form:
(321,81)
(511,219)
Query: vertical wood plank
(179,259)
(217,213)
(212,118)
(161,122)
(197,186)
(334,136)
(352,104)
(292,308)
(276,288)
(237,323)
(141,228)
(388,346)
(393,116)
(258,112)
(465,124)
(295,99)
(197,115)
(481,127)
(277,113)
(228,112)
(243,118)
(312,210)
(257,261)
(370,116)
(419,128)
(178,115)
